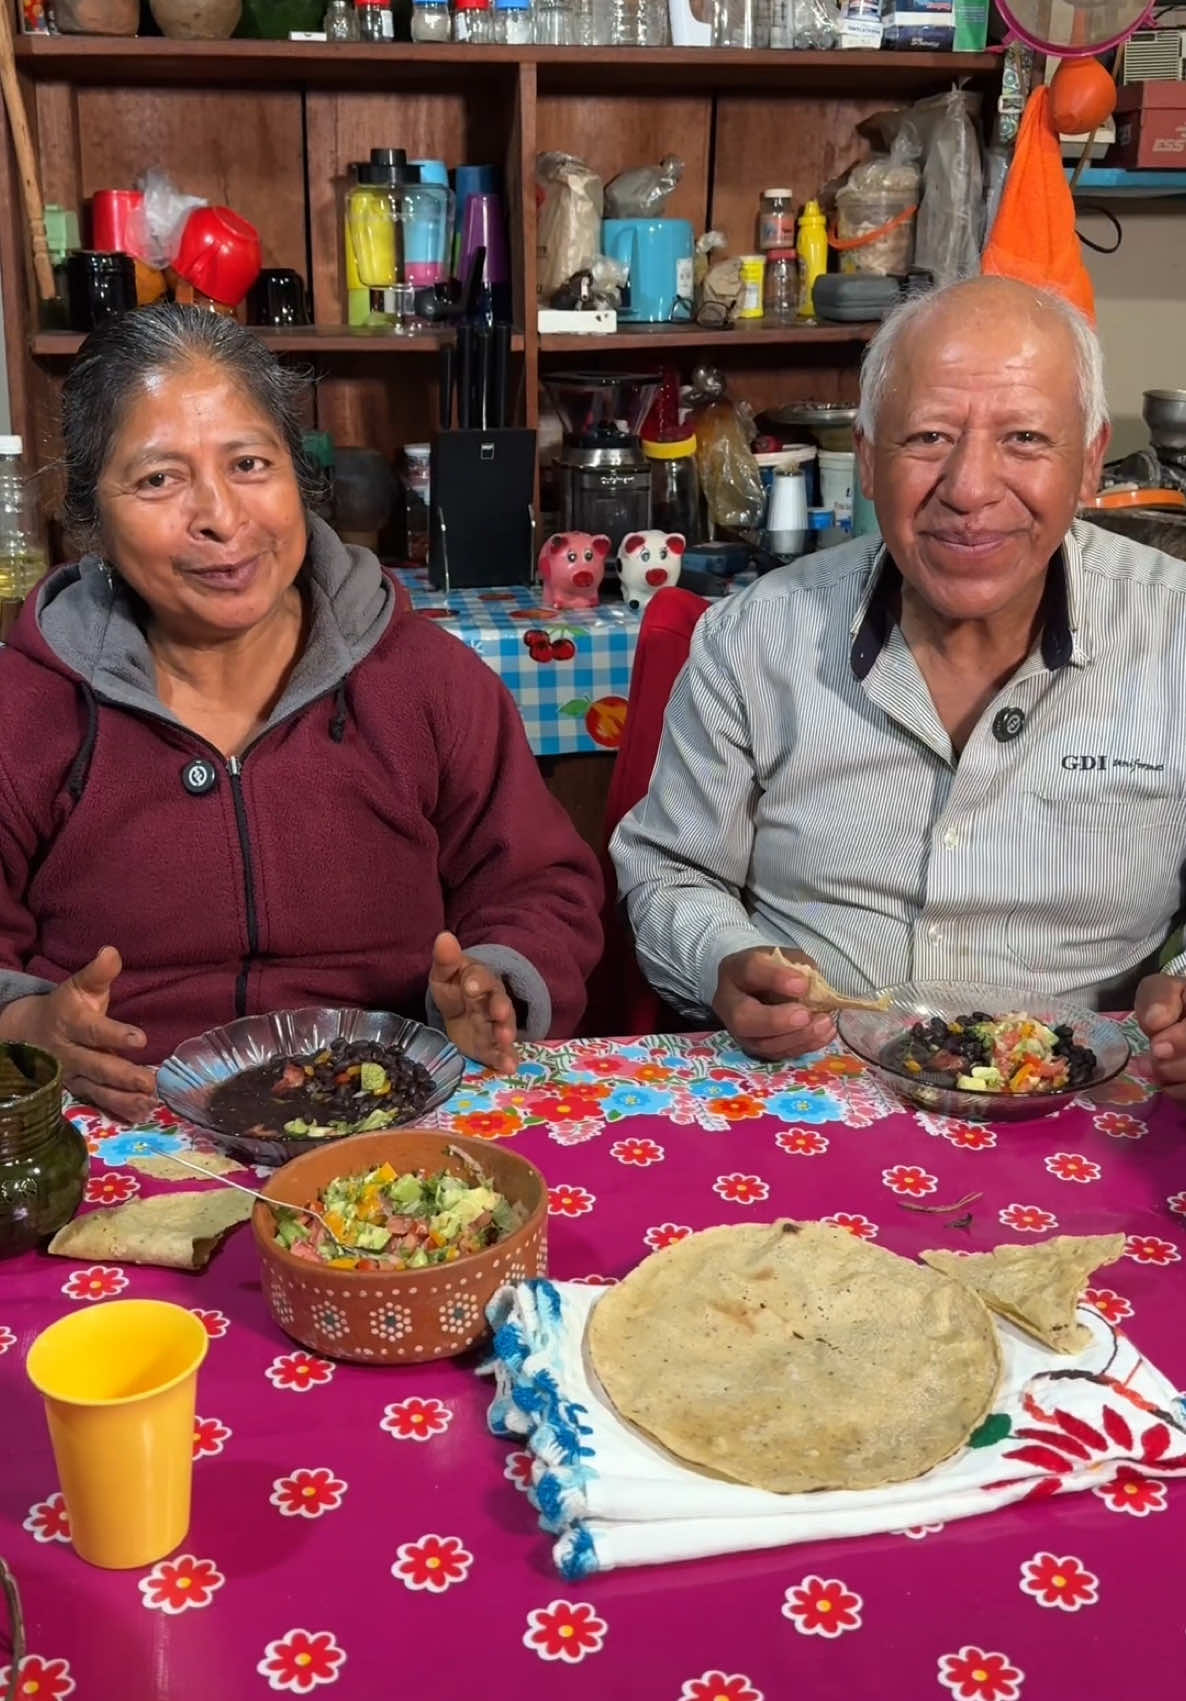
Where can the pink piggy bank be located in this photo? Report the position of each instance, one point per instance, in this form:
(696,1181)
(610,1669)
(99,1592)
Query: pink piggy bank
(647,562)
(572,566)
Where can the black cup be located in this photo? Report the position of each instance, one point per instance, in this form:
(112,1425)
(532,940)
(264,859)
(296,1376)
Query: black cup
(277,297)
(100,287)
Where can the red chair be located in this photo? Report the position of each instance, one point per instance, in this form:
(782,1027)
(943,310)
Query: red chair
(620,999)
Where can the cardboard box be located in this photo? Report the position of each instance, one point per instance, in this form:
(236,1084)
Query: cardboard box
(1150,127)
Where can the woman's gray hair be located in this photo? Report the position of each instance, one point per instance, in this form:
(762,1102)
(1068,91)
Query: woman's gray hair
(116,362)
(878,367)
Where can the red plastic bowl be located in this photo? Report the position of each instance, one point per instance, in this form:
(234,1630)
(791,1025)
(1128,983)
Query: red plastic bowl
(220,254)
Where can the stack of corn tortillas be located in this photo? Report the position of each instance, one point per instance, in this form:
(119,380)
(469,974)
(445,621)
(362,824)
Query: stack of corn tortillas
(1037,1287)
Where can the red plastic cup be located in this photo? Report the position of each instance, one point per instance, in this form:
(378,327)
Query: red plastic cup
(220,254)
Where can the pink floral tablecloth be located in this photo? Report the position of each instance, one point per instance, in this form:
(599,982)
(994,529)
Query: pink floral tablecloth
(358,1530)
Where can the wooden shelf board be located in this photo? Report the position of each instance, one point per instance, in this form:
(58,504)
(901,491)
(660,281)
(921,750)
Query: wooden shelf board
(308,340)
(696,336)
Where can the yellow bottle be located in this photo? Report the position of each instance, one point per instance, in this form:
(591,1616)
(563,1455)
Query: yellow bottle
(813,256)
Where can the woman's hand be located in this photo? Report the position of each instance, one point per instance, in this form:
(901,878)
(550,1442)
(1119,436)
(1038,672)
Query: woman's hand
(72,1023)
(757,1000)
(1161,1011)
(479,1017)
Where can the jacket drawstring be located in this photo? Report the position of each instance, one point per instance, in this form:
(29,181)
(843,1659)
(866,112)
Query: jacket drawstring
(337,725)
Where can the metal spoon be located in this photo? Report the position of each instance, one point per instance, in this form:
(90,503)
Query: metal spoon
(274,1205)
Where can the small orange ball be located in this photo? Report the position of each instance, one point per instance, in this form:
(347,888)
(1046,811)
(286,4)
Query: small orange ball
(1082,97)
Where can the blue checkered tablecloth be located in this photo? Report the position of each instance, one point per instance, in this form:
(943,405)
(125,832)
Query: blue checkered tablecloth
(571,687)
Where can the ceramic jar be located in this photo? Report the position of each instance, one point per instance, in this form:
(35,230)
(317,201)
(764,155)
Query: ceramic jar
(43,1157)
(196,20)
(98,17)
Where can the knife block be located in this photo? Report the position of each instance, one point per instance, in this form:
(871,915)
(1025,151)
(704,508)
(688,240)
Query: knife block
(482,527)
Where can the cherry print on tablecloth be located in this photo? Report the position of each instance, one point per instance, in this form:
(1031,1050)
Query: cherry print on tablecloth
(298,1372)
(307,1493)
(802,1142)
(113,1188)
(568,1201)
(176,1585)
(1064,1583)
(719,1686)
(210,1436)
(1027,1219)
(741,1189)
(565,1630)
(854,1222)
(215,1323)
(49,1520)
(1072,1166)
(642,1153)
(909,1179)
(1110,1304)
(665,1234)
(48,1680)
(7,1339)
(1130,1491)
(822,1608)
(416,1419)
(1150,1249)
(973,1674)
(100,1281)
(302,1660)
(432,1562)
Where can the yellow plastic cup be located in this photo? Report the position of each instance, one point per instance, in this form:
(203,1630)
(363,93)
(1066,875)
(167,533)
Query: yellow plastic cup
(120,1386)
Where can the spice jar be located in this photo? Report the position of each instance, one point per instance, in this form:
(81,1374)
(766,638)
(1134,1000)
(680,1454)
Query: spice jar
(776,220)
(781,287)
(43,1157)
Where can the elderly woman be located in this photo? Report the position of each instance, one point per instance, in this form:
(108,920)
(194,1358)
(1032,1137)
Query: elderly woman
(234,775)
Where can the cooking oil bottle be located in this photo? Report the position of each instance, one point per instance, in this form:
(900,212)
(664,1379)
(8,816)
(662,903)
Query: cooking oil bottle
(23,559)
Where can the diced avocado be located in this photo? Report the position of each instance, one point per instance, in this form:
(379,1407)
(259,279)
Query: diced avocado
(418,1259)
(473,1202)
(372,1078)
(297,1126)
(371,1237)
(983,1079)
(446,1225)
(288,1230)
(374,1119)
(406,1192)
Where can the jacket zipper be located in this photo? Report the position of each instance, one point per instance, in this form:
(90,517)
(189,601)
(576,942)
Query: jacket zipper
(234,768)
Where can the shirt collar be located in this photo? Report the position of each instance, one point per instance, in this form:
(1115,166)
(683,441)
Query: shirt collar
(1063,637)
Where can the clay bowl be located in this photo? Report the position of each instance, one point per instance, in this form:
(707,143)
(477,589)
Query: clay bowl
(397,1316)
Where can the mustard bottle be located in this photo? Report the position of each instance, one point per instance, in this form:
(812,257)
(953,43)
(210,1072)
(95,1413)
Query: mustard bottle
(813,256)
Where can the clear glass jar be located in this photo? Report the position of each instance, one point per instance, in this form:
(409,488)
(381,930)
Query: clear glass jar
(375,21)
(43,1157)
(675,487)
(431,20)
(781,287)
(776,220)
(514,25)
(554,23)
(473,21)
(341,21)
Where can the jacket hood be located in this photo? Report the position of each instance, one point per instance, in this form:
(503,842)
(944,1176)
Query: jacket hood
(85,621)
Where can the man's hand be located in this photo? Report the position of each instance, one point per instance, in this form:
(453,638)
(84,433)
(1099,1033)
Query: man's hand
(757,1000)
(479,1017)
(72,1023)
(1161,1011)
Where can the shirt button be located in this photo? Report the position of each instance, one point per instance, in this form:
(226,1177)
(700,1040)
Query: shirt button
(951,838)
(934,933)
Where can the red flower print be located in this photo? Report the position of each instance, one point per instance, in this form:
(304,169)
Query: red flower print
(566,1201)
(641,1152)
(48,1680)
(595,1281)
(973,1675)
(854,1223)
(176,1584)
(1118,1125)
(48,1521)
(614,1068)
(1064,1583)
(715,1686)
(1131,1492)
(1177,1204)
(1027,1219)
(110,1189)
(564,1630)
(804,1142)
(665,1234)
(99,1282)
(576,1133)
(433,1562)
(301,1660)
(7,1339)
(298,1372)
(908,1178)
(653,1073)
(742,1107)
(969,1136)
(416,1419)
(215,1323)
(1150,1249)
(1109,1304)
(566,1104)
(819,1608)
(741,1189)
(518,1470)
(209,1436)
(1073,1166)
(489,1124)
(307,1494)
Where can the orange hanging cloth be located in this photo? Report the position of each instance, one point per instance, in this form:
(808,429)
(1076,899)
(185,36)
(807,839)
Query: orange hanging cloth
(1034,237)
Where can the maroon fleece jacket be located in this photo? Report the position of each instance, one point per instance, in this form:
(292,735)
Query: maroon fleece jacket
(392,794)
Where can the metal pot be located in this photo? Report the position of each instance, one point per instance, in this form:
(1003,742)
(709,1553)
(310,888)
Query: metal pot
(1164,412)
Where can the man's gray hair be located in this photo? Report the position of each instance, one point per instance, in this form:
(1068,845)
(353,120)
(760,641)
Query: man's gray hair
(877,368)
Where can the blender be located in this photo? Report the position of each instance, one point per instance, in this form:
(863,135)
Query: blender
(603,478)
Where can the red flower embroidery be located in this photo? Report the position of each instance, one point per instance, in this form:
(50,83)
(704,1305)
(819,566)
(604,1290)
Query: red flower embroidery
(564,1630)
(301,1660)
(110,1189)
(176,1584)
(307,1494)
(1177,1204)
(804,1142)
(1073,1166)
(1027,1219)
(665,1234)
(298,1372)
(99,1282)
(1109,1304)
(715,1686)
(595,1281)
(209,1436)
(1118,1125)
(741,1189)
(48,1680)
(215,1323)
(641,1152)
(973,1675)
(518,1470)
(1150,1249)
(819,1608)
(566,1201)
(48,1521)
(1129,1491)
(908,1178)
(1064,1583)
(416,1419)
(970,1136)
(433,1562)
(7,1339)
(854,1223)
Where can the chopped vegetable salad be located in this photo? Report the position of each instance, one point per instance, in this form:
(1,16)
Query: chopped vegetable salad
(994,1054)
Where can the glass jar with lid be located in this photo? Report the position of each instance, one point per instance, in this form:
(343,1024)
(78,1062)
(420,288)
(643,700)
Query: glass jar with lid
(431,20)
(675,486)
(776,220)
(43,1157)
(781,287)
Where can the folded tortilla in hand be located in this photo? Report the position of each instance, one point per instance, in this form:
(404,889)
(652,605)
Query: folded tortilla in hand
(1037,1287)
(179,1231)
(822,998)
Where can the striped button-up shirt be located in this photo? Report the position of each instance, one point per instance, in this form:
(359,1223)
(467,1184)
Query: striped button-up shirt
(806,792)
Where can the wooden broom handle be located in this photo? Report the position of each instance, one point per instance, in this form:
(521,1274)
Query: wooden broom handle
(22,141)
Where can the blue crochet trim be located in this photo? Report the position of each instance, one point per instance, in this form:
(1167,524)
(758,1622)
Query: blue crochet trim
(575,1554)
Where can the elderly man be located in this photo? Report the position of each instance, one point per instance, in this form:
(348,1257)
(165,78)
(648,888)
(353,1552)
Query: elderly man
(960,754)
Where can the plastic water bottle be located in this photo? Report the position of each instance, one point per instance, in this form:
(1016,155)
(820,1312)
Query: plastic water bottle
(23,559)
